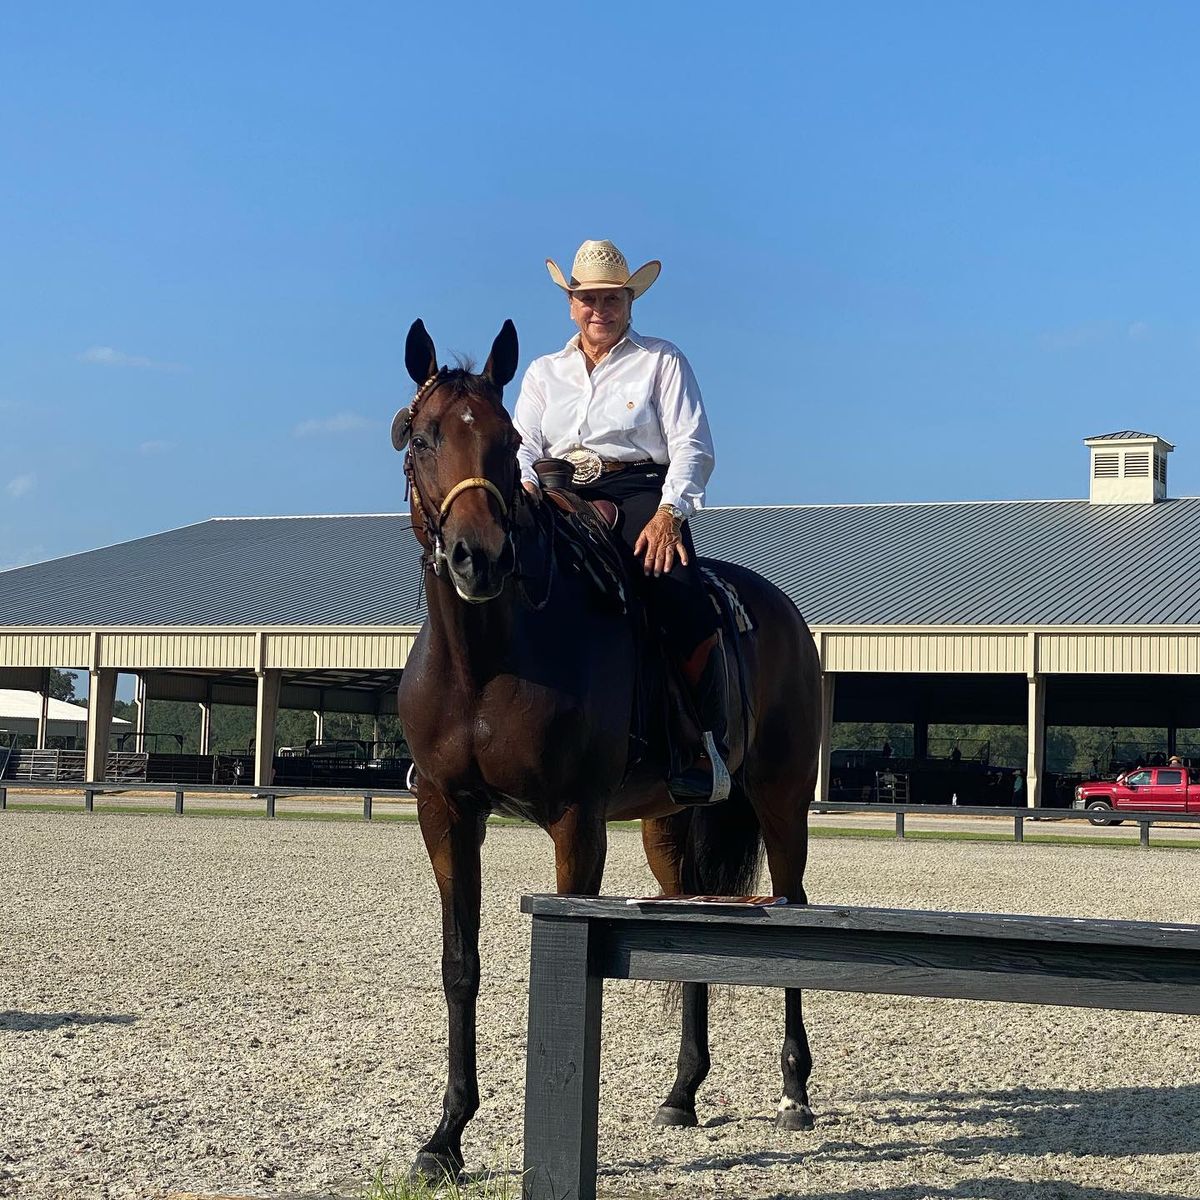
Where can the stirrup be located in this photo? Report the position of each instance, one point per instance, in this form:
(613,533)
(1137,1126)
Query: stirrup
(697,788)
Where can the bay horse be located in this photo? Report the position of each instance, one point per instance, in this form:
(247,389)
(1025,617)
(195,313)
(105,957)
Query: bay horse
(518,696)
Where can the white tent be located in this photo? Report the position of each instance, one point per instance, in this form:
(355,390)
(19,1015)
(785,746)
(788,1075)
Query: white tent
(19,713)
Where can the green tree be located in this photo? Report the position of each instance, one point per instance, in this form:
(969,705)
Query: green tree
(62,686)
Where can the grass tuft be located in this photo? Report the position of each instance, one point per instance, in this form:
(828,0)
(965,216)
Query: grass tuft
(390,1183)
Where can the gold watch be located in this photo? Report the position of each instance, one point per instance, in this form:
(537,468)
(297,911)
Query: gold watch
(675,514)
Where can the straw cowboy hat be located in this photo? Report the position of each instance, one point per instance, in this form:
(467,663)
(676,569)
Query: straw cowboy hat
(600,266)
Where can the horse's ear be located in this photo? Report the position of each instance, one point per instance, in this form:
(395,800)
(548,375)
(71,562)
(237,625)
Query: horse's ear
(420,356)
(502,362)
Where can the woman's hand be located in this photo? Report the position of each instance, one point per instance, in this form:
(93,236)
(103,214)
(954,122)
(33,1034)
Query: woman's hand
(532,488)
(660,543)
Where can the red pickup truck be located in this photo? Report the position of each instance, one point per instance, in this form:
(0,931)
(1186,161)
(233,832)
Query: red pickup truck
(1148,789)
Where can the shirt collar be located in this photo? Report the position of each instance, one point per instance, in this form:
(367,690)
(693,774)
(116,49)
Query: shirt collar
(631,335)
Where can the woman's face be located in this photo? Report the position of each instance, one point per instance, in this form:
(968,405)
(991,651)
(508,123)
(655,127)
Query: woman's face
(602,315)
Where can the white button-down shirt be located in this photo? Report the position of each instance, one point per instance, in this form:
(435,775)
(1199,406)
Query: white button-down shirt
(640,401)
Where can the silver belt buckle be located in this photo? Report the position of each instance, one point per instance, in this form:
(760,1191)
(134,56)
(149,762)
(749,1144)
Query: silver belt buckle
(587,463)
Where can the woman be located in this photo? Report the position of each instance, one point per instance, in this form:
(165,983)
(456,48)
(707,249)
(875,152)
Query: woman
(626,411)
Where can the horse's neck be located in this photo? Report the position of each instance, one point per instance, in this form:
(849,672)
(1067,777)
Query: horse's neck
(475,639)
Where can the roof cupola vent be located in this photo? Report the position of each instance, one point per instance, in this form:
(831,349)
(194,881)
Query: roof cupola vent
(1128,467)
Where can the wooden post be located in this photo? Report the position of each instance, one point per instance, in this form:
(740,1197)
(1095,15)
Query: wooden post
(828,691)
(367,805)
(264,727)
(43,727)
(89,800)
(1144,834)
(1036,748)
(179,801)
(102,693)
(271,805)
(1019,827)
(899,824)
(562,1075)
(3,798)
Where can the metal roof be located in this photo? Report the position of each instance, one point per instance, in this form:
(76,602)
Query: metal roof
(1123,436)
(1038,562)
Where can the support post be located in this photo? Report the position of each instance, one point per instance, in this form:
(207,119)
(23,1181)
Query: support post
(368,804)
(264,727)
(828,692)
(899,824)
(920,740)
(375,739)
(43,728)
(206,725)
(1172,740)
(1144,834)
(139,729)
(179,801)
(562,1079)
(319,725)
(1019,827)
(102,693)
(1036,749)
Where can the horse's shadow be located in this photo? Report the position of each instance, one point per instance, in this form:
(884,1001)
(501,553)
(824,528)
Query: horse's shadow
(13,1020)
(1113,1123)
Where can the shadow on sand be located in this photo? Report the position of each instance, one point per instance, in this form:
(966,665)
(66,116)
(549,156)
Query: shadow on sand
(1038,1122)
(14,1021)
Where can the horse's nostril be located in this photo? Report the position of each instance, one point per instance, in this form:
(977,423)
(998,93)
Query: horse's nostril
(460,555)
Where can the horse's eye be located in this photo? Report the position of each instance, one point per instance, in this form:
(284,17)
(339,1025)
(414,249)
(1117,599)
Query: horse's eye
(419,443)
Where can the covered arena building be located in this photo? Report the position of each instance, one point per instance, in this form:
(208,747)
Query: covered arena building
(1059,612)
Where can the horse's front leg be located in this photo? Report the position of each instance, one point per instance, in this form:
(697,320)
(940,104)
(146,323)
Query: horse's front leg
(453,837)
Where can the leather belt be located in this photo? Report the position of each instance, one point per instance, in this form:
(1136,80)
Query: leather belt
(611,464)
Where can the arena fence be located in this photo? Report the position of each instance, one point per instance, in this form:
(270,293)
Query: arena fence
(578,943)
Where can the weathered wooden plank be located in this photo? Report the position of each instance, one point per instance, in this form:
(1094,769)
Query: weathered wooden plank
(562,1073)
(1160,935)
(1086,975)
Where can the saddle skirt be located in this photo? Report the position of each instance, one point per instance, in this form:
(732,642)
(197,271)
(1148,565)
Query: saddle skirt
(583,531)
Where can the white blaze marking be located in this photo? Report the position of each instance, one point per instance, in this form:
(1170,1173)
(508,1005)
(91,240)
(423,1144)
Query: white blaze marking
(467,416)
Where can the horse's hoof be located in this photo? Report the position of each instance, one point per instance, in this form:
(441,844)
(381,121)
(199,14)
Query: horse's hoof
(794,1119)
(434,1169)
(676,1118)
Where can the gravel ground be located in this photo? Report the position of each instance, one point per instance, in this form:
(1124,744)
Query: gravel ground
(236,1006)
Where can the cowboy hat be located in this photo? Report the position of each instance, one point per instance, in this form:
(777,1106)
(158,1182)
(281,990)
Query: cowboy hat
(600,266)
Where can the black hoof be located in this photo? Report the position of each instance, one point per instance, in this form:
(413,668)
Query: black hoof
(676,1118)
(795,1119)
(434,1169)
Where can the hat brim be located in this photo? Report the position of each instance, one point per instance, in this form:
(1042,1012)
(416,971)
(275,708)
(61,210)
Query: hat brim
(638,283)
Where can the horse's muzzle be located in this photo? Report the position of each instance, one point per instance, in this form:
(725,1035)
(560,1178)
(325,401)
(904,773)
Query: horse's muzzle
(477,575)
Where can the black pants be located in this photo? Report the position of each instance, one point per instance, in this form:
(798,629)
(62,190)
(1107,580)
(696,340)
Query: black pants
(678,601)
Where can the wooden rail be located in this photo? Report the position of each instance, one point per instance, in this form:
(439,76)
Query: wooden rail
(1144,819)
(269,795)
(578,943)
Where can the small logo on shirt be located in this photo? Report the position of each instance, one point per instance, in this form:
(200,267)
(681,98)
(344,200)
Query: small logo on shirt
(629,404)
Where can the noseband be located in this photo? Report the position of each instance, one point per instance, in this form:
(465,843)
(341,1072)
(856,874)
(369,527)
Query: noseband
(436,554)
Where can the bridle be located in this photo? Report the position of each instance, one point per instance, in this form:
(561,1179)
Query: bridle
(432,524)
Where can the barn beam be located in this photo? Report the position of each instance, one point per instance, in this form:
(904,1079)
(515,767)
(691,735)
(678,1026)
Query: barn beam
(266,710)
(102,694)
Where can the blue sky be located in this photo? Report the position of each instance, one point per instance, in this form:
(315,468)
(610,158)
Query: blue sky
(914,251)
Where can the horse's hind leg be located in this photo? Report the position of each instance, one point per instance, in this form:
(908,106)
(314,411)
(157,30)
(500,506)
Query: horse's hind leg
(785,832)
(665,840)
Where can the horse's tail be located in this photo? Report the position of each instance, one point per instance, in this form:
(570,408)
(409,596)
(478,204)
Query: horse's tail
(724,853)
